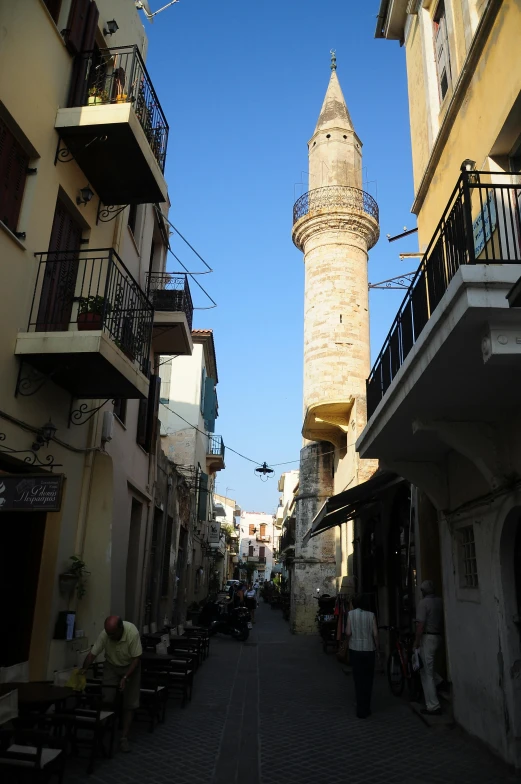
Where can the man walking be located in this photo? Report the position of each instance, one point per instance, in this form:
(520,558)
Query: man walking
(122,645)
(429,631)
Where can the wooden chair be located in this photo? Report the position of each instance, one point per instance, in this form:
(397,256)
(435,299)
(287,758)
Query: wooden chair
(201,634)
(177,674)
(30,756)
(90,722)
(187,645)
(154,698)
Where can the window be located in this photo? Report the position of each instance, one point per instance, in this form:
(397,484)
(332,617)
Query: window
(13,172)
(262,553)
(132,218)
(263,529)
(165,371)
(252,529)
(147,416)
(468,561)
(441,50)
(120,409)
(53,6)
(250,550)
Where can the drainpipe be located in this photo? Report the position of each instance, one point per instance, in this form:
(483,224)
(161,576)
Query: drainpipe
(86,488)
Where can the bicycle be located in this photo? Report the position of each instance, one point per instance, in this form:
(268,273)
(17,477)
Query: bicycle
(399,666)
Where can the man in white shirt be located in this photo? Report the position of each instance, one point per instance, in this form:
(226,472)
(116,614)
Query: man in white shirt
(429,636)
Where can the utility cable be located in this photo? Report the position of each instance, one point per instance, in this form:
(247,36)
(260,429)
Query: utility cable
(214,305)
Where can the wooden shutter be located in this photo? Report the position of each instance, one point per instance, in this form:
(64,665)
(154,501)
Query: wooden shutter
(54,6)
(202,511)
(147,417)
(82,64)
(250,550)
(91,26)
(210,404)
(13,172)
(262,552)
(76,25)
(252,529)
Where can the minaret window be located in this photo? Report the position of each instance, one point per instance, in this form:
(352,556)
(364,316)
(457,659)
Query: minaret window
(441,49)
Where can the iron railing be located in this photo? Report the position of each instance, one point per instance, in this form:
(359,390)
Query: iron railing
(481,224)
(119,75)
(215,445)
(92,290)
(335,196)
(263,538)
(170,291)
(287,538)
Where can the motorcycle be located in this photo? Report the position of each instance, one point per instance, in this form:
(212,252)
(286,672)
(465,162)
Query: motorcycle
(326,620)
(235,622)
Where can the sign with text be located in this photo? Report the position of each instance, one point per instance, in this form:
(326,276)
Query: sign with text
(484,225)
(30,492)
(214,533)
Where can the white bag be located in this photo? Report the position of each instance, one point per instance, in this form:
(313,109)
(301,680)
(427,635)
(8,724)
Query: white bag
(417,663)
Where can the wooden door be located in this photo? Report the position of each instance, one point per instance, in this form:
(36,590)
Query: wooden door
(61,270)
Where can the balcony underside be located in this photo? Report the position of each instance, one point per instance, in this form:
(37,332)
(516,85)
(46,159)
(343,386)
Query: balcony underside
(171,334)
(449,376)
(215,463)
(110,146)
(328,421)
(86,364)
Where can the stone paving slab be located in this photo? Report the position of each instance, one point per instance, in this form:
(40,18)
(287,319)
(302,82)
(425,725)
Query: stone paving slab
(277,710)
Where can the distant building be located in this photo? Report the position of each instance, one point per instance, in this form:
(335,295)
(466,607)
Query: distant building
(257,542)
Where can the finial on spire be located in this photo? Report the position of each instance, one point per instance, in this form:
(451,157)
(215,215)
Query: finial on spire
(333,59)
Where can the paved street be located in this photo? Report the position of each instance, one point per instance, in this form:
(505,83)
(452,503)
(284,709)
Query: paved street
(278,710)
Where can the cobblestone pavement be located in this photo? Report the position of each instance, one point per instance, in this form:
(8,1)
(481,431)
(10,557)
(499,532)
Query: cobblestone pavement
(277,710)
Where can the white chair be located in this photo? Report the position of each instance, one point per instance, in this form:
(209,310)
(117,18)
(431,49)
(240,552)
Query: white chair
(17,673)
(62,676)
(153,627)
(145,629)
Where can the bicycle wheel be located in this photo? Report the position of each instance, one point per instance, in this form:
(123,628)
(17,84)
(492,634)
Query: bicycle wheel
(395,674)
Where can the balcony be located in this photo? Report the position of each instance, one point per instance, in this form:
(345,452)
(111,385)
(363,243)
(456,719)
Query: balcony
(215,454)
(114,127)
(455,344)
(90,325)
(170,295)
(287,539)
(335,201)
(256,559)
(263,538)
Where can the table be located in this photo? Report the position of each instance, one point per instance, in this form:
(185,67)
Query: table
(37,693)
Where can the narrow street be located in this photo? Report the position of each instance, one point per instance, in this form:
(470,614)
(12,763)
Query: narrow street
(276,709)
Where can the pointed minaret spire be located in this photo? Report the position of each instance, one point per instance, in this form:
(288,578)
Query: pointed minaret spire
(335,151)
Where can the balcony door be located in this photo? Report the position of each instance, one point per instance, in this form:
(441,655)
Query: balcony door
(60,270)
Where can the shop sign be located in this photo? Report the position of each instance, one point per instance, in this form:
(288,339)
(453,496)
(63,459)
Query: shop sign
(30,492)
(484,225)
(215,532)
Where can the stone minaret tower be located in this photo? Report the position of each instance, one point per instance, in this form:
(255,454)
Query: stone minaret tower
(335,224)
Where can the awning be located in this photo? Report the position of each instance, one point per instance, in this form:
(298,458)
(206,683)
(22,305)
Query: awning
(346,506)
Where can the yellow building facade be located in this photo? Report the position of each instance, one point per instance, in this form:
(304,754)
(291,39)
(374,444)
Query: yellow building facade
(82,258)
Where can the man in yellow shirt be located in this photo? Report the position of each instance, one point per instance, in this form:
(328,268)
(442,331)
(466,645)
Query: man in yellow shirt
(122,645)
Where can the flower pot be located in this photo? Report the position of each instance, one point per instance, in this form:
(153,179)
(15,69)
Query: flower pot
(67,582)
(89,321)
(121,98)
(93,99)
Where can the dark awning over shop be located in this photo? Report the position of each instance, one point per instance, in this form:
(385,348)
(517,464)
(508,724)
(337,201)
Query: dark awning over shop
(346,506)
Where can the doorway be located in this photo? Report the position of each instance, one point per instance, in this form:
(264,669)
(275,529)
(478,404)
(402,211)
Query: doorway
(61,271)
(21,541)
(132,585)
(509,621)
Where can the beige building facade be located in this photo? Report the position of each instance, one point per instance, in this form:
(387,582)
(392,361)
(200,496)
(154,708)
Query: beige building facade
(81,327)
(335,225)
(442,413)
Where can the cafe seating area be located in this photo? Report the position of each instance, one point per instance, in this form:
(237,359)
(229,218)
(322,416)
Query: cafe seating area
(46,725)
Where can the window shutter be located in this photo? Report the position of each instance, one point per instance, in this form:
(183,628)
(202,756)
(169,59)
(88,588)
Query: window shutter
(76,25)
(250,550)
(262,552)
(152,409)
(91,25)
(141,433)
(53,6)
(13,172)
(209,404)
(202,511)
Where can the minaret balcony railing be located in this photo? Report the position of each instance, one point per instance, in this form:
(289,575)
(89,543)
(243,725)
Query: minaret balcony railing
(333,197)
(481,224)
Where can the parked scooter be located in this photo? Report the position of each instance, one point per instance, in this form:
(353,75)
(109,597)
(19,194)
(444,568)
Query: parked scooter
(220,620)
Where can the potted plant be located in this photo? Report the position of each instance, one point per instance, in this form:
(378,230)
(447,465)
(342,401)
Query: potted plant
(121,98)
(98,96)
(74,578)
(90,312)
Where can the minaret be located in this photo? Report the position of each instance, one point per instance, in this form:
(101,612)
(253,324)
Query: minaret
(335,225)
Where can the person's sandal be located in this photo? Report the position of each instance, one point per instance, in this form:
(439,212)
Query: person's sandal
(124,745)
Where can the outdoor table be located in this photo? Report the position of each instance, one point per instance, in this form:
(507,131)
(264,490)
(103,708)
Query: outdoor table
(37,693)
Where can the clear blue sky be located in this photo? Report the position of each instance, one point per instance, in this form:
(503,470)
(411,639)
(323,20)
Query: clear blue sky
(242,83)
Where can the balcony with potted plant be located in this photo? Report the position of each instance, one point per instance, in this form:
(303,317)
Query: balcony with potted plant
(113,116)
(90,325)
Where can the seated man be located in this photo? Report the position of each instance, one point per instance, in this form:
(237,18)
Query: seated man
(122,645)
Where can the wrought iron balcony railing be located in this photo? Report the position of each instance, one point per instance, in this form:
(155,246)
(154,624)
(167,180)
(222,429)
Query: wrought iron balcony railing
(263,538)
(170,291)
(92,290)
(216,446)
(119,75)
(335,196)
(481,224)
(287,539)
